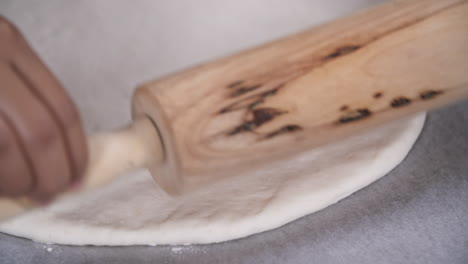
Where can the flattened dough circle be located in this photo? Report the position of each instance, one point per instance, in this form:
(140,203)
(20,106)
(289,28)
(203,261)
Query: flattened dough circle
(134,211)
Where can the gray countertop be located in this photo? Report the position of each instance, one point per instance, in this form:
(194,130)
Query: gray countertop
(416,214)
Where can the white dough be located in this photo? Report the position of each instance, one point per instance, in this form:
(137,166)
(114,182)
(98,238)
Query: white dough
(134,211)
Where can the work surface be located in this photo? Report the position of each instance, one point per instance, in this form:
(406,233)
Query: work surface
(416,214)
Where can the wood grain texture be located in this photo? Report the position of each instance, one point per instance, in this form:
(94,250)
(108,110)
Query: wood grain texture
(310,88)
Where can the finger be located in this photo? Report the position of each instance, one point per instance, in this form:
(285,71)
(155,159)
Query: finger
(8,36)
(52,95)
(38,132)
(15,170)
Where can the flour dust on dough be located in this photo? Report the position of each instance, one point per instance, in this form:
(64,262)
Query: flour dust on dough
(134,211)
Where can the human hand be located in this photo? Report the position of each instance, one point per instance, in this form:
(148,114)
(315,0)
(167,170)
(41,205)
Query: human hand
(43,149)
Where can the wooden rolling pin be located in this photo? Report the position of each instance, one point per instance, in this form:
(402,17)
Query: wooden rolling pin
(224,117)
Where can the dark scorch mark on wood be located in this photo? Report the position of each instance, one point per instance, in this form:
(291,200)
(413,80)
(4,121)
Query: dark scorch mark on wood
(344,108)
(235,84)
(342,51)
(426,95)
(225,110)
(355,115)
(260,116)
(255,104)
(243,90)
(263,115)
(400,101)
(244,127)
(250,102)
(377,95)
(271,91)
(283,130)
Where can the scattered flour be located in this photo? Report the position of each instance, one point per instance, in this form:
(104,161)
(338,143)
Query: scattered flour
(177,249)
